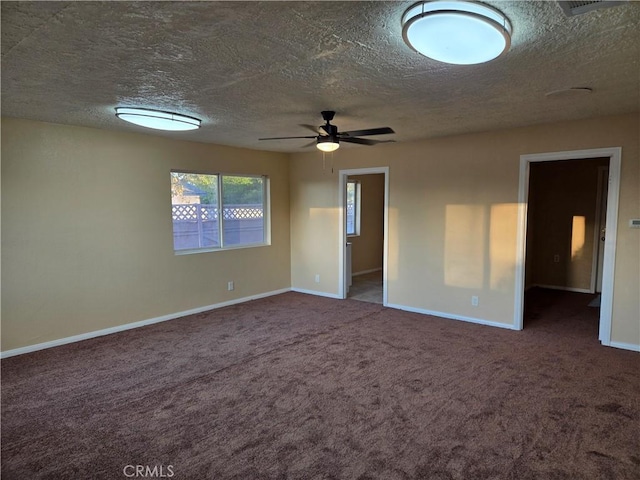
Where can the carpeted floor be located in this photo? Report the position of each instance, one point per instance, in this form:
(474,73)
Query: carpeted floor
(302,387)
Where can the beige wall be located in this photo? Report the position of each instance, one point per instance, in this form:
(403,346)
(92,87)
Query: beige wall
(314,247)
(366,249)
(87,232)
(453,217)
(562,217)
(85,245)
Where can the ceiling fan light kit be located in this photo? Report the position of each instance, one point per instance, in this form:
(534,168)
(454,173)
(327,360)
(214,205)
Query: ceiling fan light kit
(157,119)
(328,144)
(456,32)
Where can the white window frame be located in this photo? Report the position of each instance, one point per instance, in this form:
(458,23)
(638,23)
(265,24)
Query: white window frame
(266,214)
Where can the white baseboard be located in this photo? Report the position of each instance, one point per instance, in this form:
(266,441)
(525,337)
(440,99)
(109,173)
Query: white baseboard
(314,292)
(364,272)
(450,316)
(625,346)
(129,326)
(173,316)
(568,289)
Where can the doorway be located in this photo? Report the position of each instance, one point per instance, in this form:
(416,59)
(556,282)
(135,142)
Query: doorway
(354,262)
(608,255)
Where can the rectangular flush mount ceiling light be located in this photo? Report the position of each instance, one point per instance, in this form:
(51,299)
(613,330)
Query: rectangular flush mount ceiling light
(157,119)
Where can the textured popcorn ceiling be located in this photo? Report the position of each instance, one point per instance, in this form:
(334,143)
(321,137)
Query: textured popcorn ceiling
(260,69)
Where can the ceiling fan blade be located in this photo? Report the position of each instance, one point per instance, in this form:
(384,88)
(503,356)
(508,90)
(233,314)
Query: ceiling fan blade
(364,141)
(361,141)
(369,131)
(316,130)
(287,138)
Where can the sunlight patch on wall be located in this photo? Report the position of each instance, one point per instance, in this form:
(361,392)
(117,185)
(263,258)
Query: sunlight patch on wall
(464,246)
(578,236)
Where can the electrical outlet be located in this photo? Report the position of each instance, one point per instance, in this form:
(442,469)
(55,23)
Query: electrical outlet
(317,278)
(230,285)
(556,258)
(474,301)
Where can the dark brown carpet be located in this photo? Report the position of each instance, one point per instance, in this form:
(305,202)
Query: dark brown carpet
(303,387)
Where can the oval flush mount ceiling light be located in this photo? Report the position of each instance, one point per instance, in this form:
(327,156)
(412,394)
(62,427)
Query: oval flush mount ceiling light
(157,119)
(457,32)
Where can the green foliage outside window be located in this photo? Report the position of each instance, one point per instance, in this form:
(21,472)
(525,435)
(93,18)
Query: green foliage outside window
(235,189)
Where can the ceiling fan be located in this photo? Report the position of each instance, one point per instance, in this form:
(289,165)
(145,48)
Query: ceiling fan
(328,137)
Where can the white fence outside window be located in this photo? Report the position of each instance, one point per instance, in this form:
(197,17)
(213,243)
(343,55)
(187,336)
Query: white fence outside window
(198,225)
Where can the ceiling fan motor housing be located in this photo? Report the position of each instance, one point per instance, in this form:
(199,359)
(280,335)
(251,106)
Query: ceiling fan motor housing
(331,130)
(328,139)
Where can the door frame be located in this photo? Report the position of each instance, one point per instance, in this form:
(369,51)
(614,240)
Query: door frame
(606,306)
(342,228)
(595,264)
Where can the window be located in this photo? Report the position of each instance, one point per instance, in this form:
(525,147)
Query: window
(218,211)
(353,207)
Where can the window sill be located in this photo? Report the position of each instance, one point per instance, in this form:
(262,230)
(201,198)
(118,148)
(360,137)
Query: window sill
(193,251)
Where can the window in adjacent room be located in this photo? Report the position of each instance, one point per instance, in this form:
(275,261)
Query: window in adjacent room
(212,212)
(353,207)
